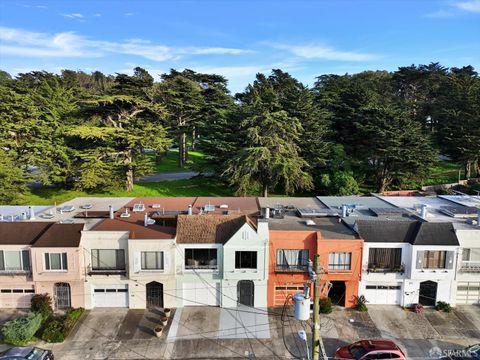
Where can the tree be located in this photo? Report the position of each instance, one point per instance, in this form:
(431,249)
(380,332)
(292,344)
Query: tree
(182,97)
(13,181)
(120,128)
(269,155)
(392,146)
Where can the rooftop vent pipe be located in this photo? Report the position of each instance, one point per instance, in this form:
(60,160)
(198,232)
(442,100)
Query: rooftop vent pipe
(145,220)
(267,213)
(110,211)
(423,211)
(190,211)
(31,213)
(344,210)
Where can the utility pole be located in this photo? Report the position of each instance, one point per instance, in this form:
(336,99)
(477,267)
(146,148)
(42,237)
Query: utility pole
(316,309)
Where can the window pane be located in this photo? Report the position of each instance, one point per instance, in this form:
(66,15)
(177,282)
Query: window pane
(201,258)
(2,263)
(55,262)
(246,259)
(64,261)
(475,254)
(47,261)
(13,260)
(152,260)
(339,261)
(26,259)
(106,259)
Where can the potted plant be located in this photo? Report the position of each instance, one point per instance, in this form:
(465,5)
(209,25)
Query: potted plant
(167,312)
(418,308)
(164,320)
(158,330)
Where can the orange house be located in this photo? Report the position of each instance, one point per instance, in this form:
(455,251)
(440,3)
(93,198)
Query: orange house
(293,241)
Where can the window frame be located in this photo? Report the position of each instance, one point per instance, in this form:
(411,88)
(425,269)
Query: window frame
(300,266)
(238,257)
(143,255)
(426,260)
(63,261)
(200,267)
(339,266)
(117,257)
(396,256)
(25,266)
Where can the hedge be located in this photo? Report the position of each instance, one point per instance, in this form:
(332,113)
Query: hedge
(42,303)
(22,330)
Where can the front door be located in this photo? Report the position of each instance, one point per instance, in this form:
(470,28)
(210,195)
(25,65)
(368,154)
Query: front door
(62,296)
(245,292)
(428,293)
(154,294)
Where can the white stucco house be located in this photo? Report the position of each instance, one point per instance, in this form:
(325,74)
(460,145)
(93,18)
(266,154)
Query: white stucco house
(221,261)
(408,262)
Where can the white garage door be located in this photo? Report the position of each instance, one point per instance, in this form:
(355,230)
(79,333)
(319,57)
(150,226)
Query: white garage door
(383,294)
(110,296)
(468,292)
(198,294)
(16,298)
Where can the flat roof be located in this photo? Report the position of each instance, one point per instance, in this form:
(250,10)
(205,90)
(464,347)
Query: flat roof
(136,228)
(465,200)
(21,212)
(298,202)
(231,204)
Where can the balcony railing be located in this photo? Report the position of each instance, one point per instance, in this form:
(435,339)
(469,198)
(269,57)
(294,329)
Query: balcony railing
(15,271)
(390,269)
(291,268)
(470,266)
(105,271)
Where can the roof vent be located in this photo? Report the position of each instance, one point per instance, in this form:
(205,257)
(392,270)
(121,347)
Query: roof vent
(310,222)
(224,206)
(209,208)
(138,207)
(156,206)
(125,214)
(190,210)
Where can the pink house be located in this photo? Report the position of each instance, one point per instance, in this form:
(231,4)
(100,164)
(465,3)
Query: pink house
(38,258)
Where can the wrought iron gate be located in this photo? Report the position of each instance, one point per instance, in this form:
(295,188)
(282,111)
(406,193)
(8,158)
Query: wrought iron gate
(62,296)
(154,294)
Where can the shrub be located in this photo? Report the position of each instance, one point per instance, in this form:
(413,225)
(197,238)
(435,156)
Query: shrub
(71,319)
(42,303)
(443,306)
(53,333)
(362,303)
(20,331)
(325,306)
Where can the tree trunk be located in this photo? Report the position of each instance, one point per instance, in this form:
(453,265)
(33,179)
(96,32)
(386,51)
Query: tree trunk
(194,134)
(477,168)
(159,156)
(265,191)
(128,173)
(182,148)
(381,185)
(468,168)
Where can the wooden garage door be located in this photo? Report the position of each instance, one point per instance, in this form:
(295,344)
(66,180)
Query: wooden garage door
(16,298)
(198,294)
(282,291)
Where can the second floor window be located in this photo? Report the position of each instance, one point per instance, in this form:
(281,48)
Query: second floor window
(152,260)
(108,259)
(472,255)
(288,259)
(56,261)
(14,260)
(245,259)
(340,261)
(384,258)
(201,259)
(434,259)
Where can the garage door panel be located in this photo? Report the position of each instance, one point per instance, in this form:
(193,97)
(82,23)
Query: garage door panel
(16,298)
(110,296)
(468,293)
(382,294)
(198,294)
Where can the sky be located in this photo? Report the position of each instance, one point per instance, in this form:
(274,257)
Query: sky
(236,38)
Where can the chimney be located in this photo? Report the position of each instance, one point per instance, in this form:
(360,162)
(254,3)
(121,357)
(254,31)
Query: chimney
(189,212)
(145,220)
(110,211)
(344,210)
(423,213)
(32,213)
(267,213)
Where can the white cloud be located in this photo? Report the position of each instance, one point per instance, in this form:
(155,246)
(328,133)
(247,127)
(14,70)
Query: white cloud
(97,15)
(74,16)
(129,14)
(471,6)
(69,44)
(41,7)
(313,51)
(440,14)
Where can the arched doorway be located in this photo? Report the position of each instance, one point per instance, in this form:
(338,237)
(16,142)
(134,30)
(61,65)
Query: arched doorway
(62,296)
(246,292)
(337,293)
(428,293)
(154,294)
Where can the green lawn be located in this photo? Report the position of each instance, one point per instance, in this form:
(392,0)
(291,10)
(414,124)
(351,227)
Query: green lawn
(169,162)
(201,186)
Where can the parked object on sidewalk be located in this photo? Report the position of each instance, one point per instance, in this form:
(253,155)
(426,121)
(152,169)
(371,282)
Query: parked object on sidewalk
(443,306)
(158,330)
(370,349)
(417,308)
(27,352)
(167,312)
(362,303)
(164,320)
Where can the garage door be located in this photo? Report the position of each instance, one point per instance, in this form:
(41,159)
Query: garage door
(383,294)
(468,292)
(16,298)
(198,294)
(110,296)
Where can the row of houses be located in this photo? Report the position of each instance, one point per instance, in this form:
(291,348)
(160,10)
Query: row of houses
(225,251)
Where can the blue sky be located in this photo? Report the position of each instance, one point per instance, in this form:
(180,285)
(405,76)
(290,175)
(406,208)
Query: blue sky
(237,38)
